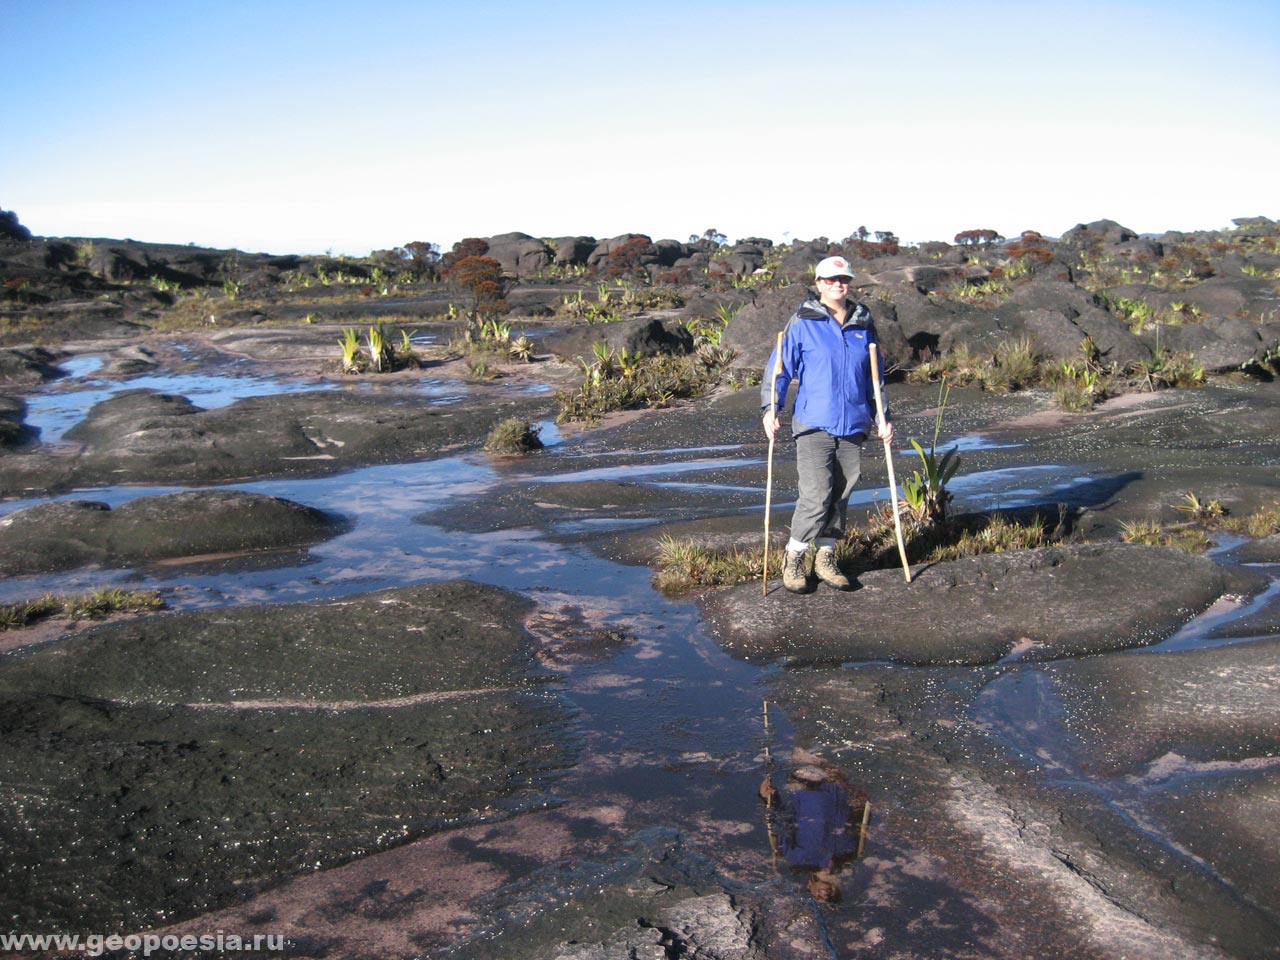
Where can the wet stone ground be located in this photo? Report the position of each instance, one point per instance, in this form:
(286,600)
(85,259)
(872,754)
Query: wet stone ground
(456,720)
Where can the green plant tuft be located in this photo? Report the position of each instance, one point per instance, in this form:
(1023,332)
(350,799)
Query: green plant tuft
(513,436)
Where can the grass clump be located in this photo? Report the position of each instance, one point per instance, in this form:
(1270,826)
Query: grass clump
(513,437)
(93,606)
(624,381)
(1151,533)
(1012,365)
(1263,522)
(686,565)
(995,535)
(1077,384)
(1205,516)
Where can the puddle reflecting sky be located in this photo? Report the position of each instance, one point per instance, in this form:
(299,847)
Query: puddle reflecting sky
(65,402)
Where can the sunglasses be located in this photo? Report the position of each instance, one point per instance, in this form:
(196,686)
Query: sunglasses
(844,280)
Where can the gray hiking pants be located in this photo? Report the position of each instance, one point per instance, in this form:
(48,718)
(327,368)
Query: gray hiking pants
(828,468)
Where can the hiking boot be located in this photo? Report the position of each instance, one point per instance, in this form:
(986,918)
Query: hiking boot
(824,565)
(795,572)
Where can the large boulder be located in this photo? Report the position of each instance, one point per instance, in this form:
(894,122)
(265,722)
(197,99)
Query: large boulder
(931,277)
(13,431)
(1060,315)
(638,241)
(27,365)
(1107,232)
(645,336)
(670,252)
(520,254)
(740,260)
(1218,344)
(573,251)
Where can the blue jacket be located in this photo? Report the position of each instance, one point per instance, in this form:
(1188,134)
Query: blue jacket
(833,368)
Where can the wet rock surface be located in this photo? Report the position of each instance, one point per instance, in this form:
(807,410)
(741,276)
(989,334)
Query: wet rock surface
(63,534)
(657,899)
(142,435)
(983,846)
(180,763)
(1044,604)
(27,365)
(194,768)
(13,432)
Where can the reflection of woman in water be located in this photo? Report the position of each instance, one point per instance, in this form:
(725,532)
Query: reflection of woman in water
(817,828)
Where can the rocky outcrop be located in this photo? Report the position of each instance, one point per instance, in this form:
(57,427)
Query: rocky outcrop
(1058,316)
(203,755)
(141,435)
(11,229)
(1046,603)
(644,336)
(639,242)
(64,534)
(572,251)
(13,431)
(27,365)
(754,329)
(521,255)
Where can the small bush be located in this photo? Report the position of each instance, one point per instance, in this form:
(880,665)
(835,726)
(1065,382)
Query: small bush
(625,382)
(513,436)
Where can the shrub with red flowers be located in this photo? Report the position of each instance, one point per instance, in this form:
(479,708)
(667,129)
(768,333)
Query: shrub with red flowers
(469,247)
(628,258)
(857,244)
(481,277)
(1031,246)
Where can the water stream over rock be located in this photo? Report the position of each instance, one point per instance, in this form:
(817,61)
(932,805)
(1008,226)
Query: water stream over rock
(668,727)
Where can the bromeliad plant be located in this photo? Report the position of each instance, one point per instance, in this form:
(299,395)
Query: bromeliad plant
(925,491)
(381,353)
(352,358)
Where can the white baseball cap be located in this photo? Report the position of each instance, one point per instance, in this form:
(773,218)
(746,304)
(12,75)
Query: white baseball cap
(833,267)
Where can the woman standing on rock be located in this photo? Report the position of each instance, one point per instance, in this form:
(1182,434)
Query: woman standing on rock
(825,349)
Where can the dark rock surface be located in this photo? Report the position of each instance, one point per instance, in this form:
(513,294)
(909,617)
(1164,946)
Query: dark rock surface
(520,254)
(13,431)
(985,777)
(141,435)
(645,336)
(659,899)
(28,365)
(1049,603)
(181,762)
(1046,778)
(63,534)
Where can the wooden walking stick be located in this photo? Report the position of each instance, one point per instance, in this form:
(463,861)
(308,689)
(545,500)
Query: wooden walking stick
(888,459)
(768,483)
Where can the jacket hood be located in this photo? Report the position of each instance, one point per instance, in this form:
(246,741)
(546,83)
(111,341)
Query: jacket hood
(812,309)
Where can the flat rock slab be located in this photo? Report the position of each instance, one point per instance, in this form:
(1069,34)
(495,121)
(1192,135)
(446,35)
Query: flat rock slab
(140,436)
(1043,604)
(165,767)
(64,534)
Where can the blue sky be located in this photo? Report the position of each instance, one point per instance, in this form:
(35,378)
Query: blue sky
(301,127)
